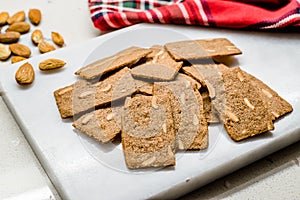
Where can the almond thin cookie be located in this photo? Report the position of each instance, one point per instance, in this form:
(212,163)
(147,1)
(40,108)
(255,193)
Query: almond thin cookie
(191,128)
(277,106)
(201,49)
(209,77)
(161,66)
(245,113)
(148,137)
(84,95)
(99,124)
(117,61)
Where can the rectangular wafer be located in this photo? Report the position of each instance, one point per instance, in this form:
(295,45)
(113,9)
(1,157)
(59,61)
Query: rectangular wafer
(148,137)
(124,58)
(201,49)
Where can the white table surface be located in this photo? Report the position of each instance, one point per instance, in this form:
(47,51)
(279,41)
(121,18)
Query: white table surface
(22,177)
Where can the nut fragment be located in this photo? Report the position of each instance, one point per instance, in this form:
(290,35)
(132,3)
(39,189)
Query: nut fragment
(57,39)
(180,144)
(86,119)
(17,17)
(25,74)
(164,127)
(275,114)
(106,89)
(240,76)
(154,102)
(35,16)
(3,18)
(37,36)
(21,27)
(195,120)
(10,37)
(45,47)
(232,116)
(149,161)
(16,59)
(86,94)
(267,93)
(170,151)
(51,63)
(20,50)
(4,52)
(247,102)
(110,116)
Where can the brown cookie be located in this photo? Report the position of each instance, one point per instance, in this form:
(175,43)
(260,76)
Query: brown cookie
(191,128)
(201,49)
(148,137)
(245,113)
(99,124)
(117,61)
(83,95)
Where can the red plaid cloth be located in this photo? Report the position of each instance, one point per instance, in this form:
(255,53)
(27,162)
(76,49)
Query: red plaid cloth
(253,14)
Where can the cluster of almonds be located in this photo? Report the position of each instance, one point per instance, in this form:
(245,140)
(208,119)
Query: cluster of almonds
(18,26)
(9,44)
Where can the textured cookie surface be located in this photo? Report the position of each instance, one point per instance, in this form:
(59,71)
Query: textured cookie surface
(160,66)
(148,137)
(121,59)
(275,103)
(245,113)
(99,124)
(199,49)
(187,109)
(83,95)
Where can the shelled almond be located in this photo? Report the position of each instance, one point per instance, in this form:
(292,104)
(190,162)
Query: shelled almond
(21,27)
(17,17)
(4,52)
(25,74)
(45,47)
(3,18)
(35,16)
(51,63)
(57,39)
(20,50)
(37,36)
(9,37)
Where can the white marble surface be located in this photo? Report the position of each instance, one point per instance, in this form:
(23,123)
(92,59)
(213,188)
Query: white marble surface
(22,177)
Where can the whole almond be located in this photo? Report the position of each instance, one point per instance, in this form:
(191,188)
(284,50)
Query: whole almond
(4,52)
(57,39)
(20,50)
(51,63)
(15,59)
(45,47)
(10,37)
(21,27)
(3,18)
(25,74)
(35,16)
(37,37)
(17,17)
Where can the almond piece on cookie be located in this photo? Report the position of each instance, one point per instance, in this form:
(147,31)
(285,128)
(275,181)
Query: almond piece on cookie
(148,137)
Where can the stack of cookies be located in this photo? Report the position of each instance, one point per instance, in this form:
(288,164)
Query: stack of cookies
(161,99)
